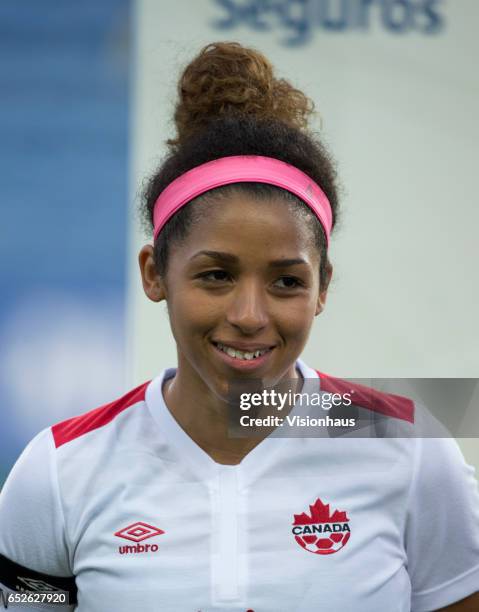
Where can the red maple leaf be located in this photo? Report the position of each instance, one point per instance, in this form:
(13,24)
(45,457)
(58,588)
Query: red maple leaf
(320,513)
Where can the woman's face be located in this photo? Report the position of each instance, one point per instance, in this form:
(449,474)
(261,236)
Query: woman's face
(242,290)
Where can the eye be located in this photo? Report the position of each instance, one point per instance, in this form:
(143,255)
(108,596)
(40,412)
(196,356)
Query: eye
(288,282)
(215,276)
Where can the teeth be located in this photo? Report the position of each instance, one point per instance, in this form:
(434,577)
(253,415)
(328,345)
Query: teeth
(241,354)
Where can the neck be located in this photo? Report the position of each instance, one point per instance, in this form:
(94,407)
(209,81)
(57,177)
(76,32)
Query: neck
(204,416)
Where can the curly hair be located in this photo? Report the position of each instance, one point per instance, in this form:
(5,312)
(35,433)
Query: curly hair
(230,103)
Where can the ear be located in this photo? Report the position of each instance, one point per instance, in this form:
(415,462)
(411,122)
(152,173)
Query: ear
(153,284)
(324,290)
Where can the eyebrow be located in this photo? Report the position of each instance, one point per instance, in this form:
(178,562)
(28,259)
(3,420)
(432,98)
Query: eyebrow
(229,258)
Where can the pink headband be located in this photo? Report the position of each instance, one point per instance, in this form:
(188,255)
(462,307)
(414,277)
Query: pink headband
(241,169)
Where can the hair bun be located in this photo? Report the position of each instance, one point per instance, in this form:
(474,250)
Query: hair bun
(227,78)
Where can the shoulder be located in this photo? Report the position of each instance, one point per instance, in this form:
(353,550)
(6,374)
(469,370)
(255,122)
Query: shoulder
(30,510)
(442,515)
(77,426)
(33,467)
(388,404)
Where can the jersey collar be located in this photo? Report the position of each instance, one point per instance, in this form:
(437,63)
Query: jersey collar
(199,462)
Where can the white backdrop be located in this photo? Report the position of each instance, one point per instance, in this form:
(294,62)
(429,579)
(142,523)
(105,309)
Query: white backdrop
(399,111)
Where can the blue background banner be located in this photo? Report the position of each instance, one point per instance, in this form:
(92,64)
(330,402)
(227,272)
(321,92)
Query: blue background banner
(63,198)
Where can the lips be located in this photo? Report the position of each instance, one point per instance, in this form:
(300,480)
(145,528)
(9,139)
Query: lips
(248,353)
(242,355)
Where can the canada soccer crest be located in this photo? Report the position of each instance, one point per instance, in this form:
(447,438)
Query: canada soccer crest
(321,532)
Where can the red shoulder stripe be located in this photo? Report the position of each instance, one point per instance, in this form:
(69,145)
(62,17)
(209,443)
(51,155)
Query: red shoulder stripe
(68,430)
(396,406)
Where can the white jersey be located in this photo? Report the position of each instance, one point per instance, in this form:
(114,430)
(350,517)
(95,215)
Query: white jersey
(121,508)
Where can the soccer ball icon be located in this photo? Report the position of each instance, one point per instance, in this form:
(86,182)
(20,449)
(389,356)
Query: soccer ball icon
(321,545)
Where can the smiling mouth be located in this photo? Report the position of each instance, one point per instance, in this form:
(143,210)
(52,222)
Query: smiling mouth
(243,355)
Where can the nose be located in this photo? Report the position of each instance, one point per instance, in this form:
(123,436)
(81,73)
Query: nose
(248,309)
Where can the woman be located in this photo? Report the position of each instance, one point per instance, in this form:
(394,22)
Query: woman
(148,502)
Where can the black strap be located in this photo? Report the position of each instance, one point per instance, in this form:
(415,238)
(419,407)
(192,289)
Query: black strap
(20,578)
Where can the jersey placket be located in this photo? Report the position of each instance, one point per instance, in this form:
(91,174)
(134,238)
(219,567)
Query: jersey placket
(225,568)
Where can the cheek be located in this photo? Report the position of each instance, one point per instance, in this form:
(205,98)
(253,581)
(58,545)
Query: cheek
(294,319)
(193,313)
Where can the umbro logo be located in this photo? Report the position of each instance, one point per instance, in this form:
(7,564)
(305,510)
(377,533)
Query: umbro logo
(137,532)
